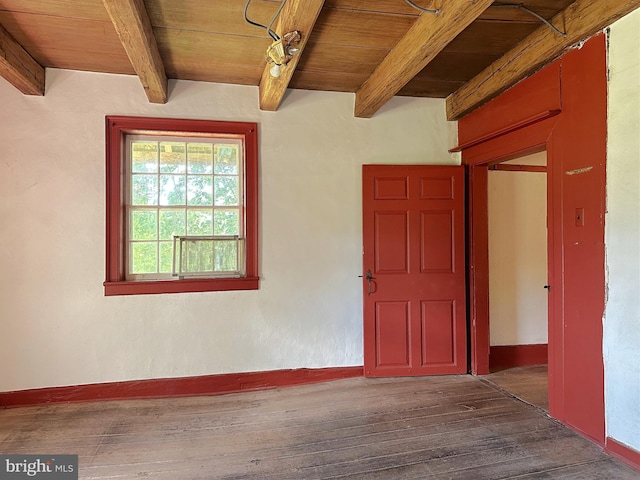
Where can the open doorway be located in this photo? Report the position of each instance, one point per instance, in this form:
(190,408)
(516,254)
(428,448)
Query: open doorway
(558,111)
(518,272)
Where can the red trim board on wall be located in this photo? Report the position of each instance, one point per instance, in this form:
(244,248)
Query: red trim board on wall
(507,356)
(620,451)
(177,387)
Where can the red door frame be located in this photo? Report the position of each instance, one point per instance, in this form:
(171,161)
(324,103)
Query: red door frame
(563,110)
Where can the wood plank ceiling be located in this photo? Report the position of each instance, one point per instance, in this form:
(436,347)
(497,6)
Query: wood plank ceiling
(345,44)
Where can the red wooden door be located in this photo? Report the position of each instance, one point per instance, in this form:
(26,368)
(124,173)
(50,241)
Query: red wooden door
(414,302)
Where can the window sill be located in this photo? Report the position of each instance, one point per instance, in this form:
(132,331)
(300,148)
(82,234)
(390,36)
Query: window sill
(180,286)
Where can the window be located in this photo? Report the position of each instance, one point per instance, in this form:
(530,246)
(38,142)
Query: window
(181,206)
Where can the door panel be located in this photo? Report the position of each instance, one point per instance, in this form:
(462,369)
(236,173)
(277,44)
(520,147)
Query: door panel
(437,242)
(414,304)
(392,325)
(391,242)
(438,333)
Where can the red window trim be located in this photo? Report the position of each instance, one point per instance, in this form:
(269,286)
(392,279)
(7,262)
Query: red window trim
(116,129)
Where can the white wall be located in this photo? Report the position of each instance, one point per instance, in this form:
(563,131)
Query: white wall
(622,236)
(518,254)
(59,329)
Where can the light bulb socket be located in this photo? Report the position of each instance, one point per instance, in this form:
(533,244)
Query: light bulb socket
(274,71)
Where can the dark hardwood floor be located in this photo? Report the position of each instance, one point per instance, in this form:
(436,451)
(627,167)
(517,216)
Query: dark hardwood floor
(452,427)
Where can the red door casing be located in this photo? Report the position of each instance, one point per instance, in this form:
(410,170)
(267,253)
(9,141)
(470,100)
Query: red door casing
(414,299)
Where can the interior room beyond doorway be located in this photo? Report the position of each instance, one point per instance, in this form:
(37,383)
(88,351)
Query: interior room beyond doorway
(518,307)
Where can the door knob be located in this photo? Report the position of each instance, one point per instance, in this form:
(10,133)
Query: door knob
(369,277)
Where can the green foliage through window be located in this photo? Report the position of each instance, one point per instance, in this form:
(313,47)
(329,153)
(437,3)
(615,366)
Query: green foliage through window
(177,188)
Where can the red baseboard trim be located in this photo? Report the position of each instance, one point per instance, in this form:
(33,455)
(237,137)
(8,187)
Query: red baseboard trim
(177,387)
(623,453)
(507,356)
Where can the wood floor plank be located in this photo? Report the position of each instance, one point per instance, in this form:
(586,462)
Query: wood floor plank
(457,427)
(601,469)
(303,441)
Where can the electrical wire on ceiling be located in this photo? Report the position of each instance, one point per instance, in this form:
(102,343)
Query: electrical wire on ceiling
(521,6)
(283,48)
(271,33)
(422,9)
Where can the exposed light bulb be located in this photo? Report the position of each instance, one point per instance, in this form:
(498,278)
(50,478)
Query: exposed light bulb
(275,70)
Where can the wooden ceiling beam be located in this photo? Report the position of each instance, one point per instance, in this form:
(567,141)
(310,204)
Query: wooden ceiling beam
(133,27)
(18,67)
(580,20)
(426,38)
(300,15)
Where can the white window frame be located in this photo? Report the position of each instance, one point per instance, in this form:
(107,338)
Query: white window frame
(156,137)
